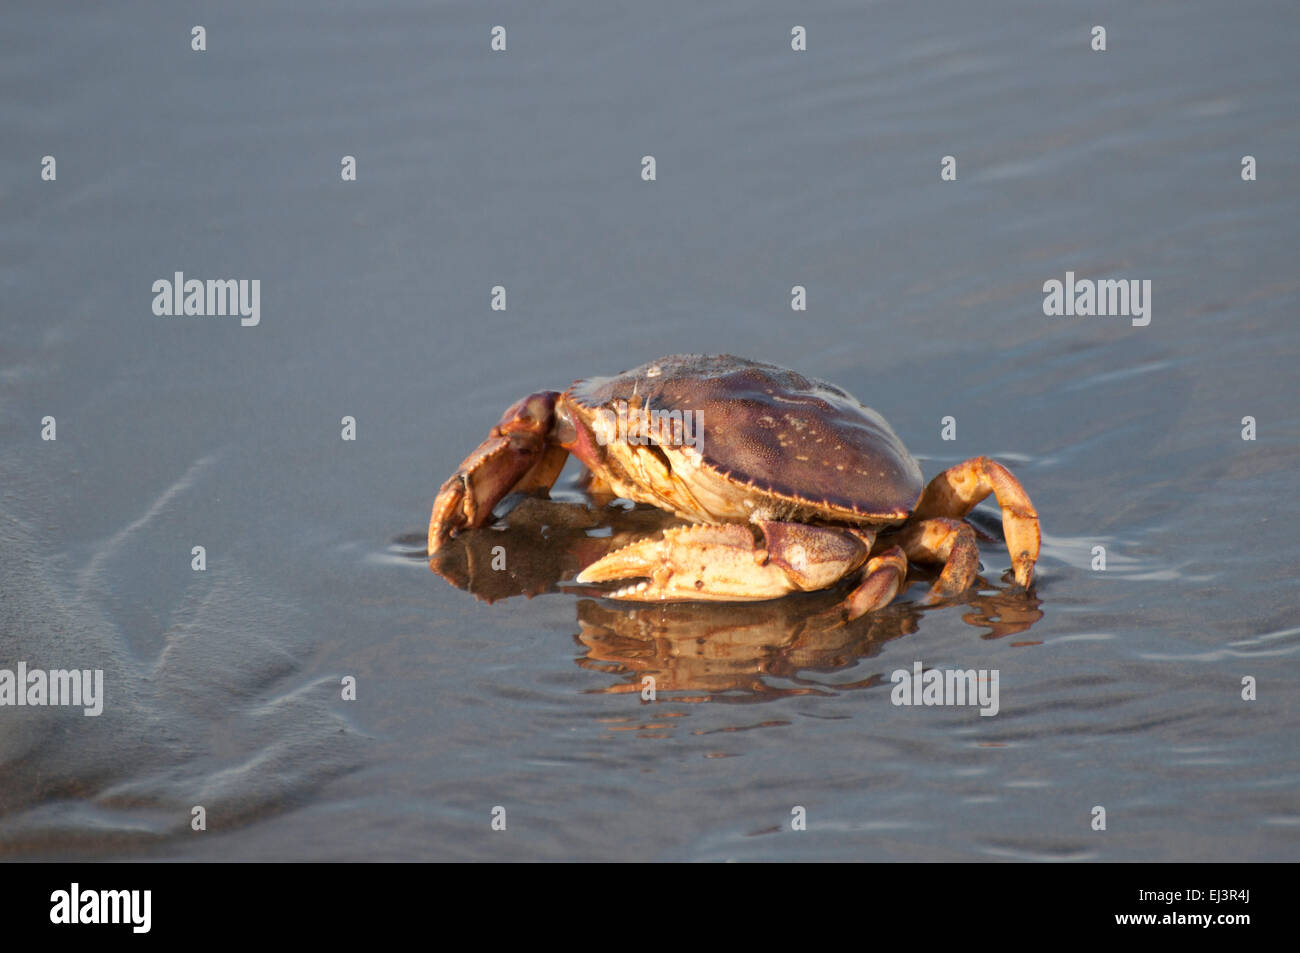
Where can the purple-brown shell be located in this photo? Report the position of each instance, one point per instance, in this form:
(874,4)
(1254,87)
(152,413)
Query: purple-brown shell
(775,429)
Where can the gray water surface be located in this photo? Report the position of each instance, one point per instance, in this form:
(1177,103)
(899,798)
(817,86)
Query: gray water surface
(1119,688)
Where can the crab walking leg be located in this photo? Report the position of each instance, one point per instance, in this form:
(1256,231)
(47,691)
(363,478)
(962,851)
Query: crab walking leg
(517,454)
(955,491)
(881,581)
(727,563)
(946,542)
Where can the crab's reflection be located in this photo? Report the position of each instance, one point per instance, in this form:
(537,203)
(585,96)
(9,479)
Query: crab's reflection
(540,544)
(707,651)
(743,652)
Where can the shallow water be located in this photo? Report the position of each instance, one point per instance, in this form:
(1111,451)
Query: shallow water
(1119,688)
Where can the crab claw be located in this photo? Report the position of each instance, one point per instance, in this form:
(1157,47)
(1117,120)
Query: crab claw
(727,563)
(517,455)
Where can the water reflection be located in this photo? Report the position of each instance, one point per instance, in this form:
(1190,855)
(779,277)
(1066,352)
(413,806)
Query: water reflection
(709,651)
(756,651)
(740,652)
(537,545)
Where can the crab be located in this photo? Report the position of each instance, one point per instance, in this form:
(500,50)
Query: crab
(786,484)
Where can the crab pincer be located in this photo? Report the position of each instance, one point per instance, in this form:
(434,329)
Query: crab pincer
(516,456)
(731,562)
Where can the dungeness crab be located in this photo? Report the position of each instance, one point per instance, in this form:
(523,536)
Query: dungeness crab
(788,483)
